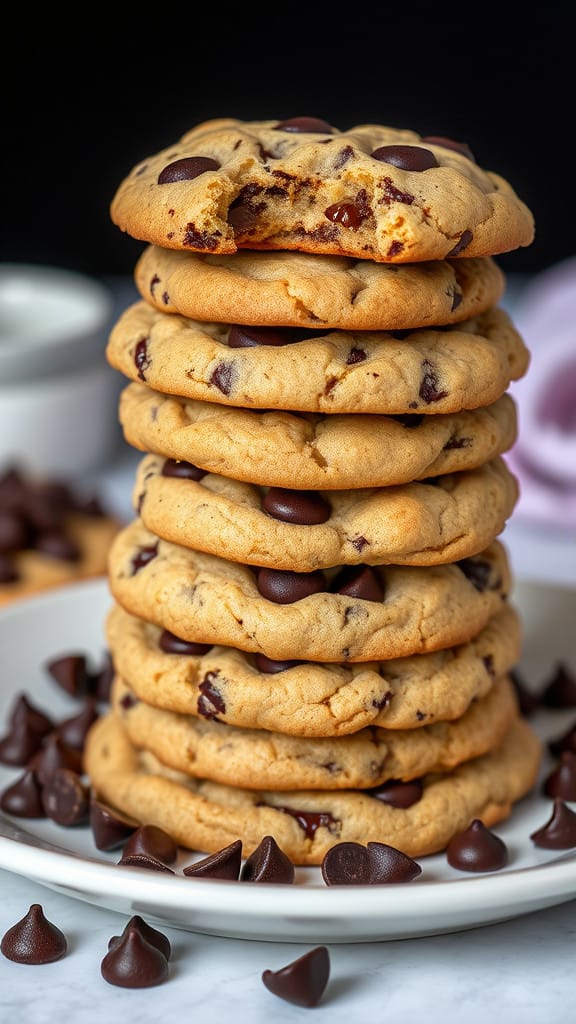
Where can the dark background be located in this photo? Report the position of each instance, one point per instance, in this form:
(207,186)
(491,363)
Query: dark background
(76,118)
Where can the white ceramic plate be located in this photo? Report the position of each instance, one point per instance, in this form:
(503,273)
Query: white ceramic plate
(440,900)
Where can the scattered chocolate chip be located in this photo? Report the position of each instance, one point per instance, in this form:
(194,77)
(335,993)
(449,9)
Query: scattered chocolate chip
(134,962)
(34,939)
(182,470)
(286,587)
(54,754)
(268,863)
(360,581)
(143,860)
(171,644)
(71,673)
(306,508)
(560,690)
(73,731)
(150,934)
(398,794)
(559,832)
(19,744)
(23,798)
(305,124)
(407,158)
(186,169)
(152,841)
(566,741)
(477,849)
(66,798)
(24,710)
(303,981)
(110,828)
(269,666)
(561,781)
(352,863)
(225,863)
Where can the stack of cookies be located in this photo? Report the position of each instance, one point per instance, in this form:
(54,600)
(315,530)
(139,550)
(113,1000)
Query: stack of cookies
(311,629)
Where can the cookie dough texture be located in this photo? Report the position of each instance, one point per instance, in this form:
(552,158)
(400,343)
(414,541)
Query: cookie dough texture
(429,371)
(310,698)
(426,523)
(207,599)
(310,450)
(269,187)
(206,816)
(257,759)
(293,289)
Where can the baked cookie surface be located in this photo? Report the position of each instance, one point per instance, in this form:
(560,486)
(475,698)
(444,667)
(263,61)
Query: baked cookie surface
(311,450)
(206,816)
(373,192)
(358,613)
(423,371)
(305,698)
(304,290)
(427,523)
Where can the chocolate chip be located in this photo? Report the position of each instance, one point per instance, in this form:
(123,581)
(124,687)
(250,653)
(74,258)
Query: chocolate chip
(171,644)
(285,587)
(305,124)
(253,337)
(350,214)
(142,360)
(210,702)
(398,794)
(222,377)
(310,821)
(182,470)
(561,781)
(303,981)
(110,828)
(360,581)
(225,863)
(306,508)
(390,866)
(71,673)
(34,939)
(374,864)
(66,798)
(477,849)
(355,355)
(152,841)
(73,731)
(19,744)
(187,168)
(559,832)
(477,571)
(408,419)
(134,962)
(560,690)
(269,666)
(566,741)
(54,754)
(150,934)
(23,798)
(268,863)
(527,701)
(429,387)
(407,158)
(458,147)
(24,710)
(463,243)
(143,556)
(143,860)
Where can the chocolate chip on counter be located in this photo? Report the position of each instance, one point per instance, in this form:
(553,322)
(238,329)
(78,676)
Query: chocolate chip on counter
(306,508)
(23,798)
(561,781)
(446,143)
(143,860)
(182,470)
(224,864)
(152,841)
(352,863)
(34,939)
(72,731)
(66,798)
(134,961)
(268,863)
(152,935)
(53,754)
(110,828)
(559,832)
(477,849)
(71,673)
(269,667)
(407,158)
(285,587)
(171,644)
(566,741)
(305,124)
(303,981)
(560,690)
(360,581)
(397,793)
(186,169)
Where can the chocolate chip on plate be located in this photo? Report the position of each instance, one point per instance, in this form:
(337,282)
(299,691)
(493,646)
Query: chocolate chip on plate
(151,841)
(23,798)
(225,864)
(133,961)
(70,672)
(561,781)
(559,832)
(350,863)
(303,981)
(110,828)
(477,849)
(66,798)
(143,860)
(560,690)
(268,863)
(34,939)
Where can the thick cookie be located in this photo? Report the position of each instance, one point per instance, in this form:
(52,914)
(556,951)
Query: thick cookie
(305,698)
(430,371)
(311,451)
(373,192)
(301,290)
(206,816)
(429,523)
(258,759)
(358,613)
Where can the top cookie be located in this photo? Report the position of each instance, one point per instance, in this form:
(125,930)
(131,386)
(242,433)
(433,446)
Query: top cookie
(372,192)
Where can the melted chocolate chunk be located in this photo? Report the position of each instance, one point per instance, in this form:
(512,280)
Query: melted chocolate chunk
(143,556)
(477,571)
(560,690)
(303,981)
(407,158)
(310,821)
(23,798)
(429,390)
(306,508)
(270,667)
(34,939)
(110,828)
(66,798)
(268,863)
(182,470)
(465,239)
(286,587)
(211,702)
(360,581)
(305,124)
(186,169)
(142,360)
(561,781)
(134,962)
(350,214)
(254,337)
(171,644)
(152,841)
(559,832)
(477,849)
(398,794)
(222,377)
(224,864)
(150,934)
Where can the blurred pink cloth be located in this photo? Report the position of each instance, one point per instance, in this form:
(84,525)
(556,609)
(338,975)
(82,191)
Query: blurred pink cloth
(544,456)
